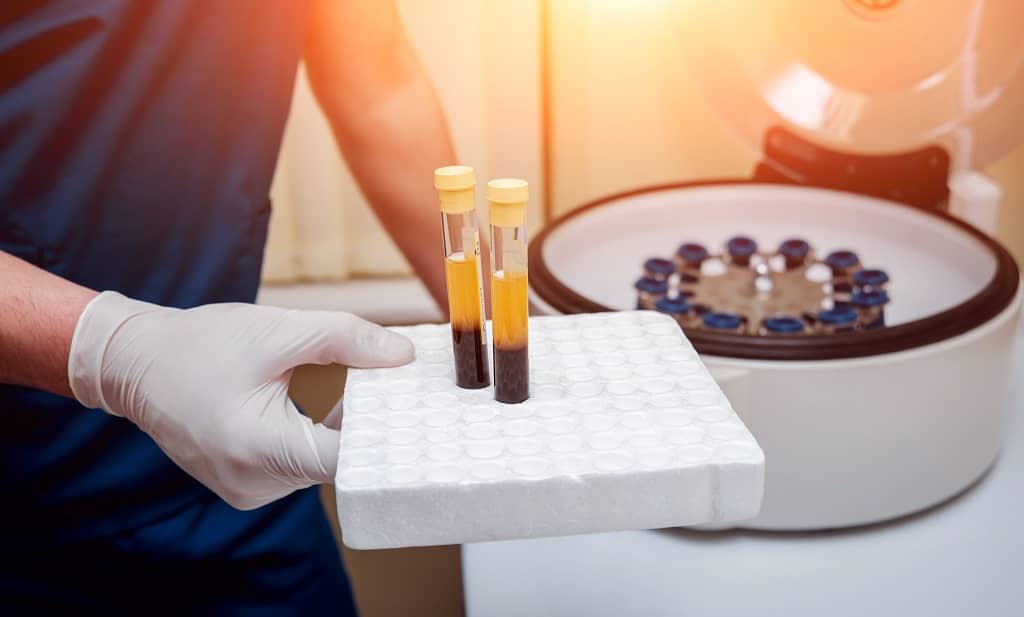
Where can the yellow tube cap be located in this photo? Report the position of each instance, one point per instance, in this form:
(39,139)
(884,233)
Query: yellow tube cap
(507,198)
(454,178)
(455,186)
(508,191)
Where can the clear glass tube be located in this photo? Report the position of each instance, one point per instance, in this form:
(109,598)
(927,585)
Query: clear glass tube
(509,312)
(463,273)
(465,300)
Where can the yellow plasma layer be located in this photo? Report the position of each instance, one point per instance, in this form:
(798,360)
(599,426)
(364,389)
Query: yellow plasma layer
(464,299)
(509,305)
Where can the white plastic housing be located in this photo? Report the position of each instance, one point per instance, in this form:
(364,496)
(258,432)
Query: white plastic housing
(974,198)
(850,442)
(847,442)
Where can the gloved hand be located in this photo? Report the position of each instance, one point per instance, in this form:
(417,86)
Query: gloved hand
(210,385)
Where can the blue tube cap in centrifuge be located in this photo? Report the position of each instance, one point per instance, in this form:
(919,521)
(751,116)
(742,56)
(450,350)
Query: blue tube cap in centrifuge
(723,321)
(842,260)
(673,306)
(657,265)
(651,285)
(870,278)
(794,249)
(692,252)
(869,299)
(784,325)
(741,246)
(840,316)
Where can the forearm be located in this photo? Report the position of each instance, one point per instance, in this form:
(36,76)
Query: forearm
(392,154)
(387,121)
(38,314)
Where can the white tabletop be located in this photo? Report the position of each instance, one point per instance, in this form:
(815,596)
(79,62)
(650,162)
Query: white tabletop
(965,557)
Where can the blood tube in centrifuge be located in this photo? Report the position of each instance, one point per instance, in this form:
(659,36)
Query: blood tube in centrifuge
(506,199)
(741,249)
(869,304)
(649,291)
(658,268)
(456,189)
(691,255)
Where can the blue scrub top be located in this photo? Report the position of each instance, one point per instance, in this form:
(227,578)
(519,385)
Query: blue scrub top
(137,147)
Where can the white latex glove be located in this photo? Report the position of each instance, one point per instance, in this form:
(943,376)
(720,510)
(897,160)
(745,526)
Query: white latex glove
(210,385)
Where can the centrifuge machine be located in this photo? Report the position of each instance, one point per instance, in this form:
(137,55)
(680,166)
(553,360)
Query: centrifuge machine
(848,296)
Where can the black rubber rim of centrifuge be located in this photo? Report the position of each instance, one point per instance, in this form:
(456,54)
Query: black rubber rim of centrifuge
(980,308)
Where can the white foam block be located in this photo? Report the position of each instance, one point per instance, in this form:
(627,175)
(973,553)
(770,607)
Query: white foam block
(624,429)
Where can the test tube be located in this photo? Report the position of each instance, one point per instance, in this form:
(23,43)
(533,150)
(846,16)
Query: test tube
(869,286)
(649,291)
(691,255)
(507,199)
(780,325)
(724,322)
(456,190)
(842,262)
(838,319)
(678,308)
(870,304)
(658,268)
(795,251)
(741,249)
(873,279)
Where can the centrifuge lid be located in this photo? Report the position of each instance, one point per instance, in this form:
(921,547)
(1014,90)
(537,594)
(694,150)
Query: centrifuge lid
(866,76)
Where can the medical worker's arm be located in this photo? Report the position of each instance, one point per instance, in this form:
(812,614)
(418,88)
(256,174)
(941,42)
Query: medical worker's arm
(386,119)
(208,384)
(38,313)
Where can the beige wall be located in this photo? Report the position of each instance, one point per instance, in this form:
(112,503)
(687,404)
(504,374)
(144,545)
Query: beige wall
(1009,172)
(624,113)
